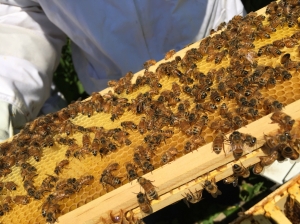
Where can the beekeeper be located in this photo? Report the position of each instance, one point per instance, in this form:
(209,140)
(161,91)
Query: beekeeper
(109,38)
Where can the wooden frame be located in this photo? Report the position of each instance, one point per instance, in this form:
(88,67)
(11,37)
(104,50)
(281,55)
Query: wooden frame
(174,178)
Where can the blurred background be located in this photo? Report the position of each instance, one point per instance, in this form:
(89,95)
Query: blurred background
(223,209)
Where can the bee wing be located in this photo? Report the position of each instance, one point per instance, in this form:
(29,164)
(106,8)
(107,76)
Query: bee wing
(247,149)
(234,183)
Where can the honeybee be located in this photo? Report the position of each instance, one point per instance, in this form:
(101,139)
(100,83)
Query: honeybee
(233,179)
(262,34)
(218,142)
(194,130)
(108,178)
(103,151)
(28,167)
(169,155)
(6,205)
(48,141)
(249,140)
(176,89)
(144,203)
(240,170)
(206,107)
(275,21)
(270,144)
(272,8)
(271,105)
(265,161)
(86,140)
(51,212)
(5,208)
(285,58)
(45,207)
(8,161)
(219,56)
(41,130)
(60,166)
(95,146)
(72,109)
(221,26)
(97,98)
(223,110)
(169,54)
(289,152)
(85,180)
(273,51)
(236,144)
(21,199)
(31,125)
(67,184)
(116,112)
(47,182)
(284,120)
(279,43)
(39,194)
(296,36)
(262,50)
(289,208)
(215,96)
(121,137)
(35,153)
(148,187)
(193,143)
(192,197)
(29,187)
(68,127)
(128,124)
(111,167)
(230,94)
(5,147)
(149,63)
(143,162)
(71,149)
(27,175)
(10,185)
(146,166)
(131,171)
(65,141)
(60,195)
(88,107)
(211,187)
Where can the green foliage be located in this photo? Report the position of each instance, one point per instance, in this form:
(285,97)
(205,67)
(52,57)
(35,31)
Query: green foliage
(249,191)
(65,77)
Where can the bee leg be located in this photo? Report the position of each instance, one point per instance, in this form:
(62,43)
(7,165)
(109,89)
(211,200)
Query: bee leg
(223,147)
(186,202)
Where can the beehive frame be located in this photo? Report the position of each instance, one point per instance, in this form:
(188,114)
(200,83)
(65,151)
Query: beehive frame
(272,206)
(187,172)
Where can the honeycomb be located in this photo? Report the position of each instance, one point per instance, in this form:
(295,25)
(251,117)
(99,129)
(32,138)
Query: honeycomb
(276,207)
(285,91)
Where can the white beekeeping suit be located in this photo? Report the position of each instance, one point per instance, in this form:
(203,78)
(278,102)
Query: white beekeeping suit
(109,38)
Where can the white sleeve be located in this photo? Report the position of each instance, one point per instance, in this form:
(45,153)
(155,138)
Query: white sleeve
(30,49)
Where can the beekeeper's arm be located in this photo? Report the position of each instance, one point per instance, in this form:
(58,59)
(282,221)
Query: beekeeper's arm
(30,48)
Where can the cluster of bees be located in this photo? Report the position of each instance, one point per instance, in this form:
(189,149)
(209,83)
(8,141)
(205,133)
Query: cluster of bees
(195,97)
(282,145)
(50,209)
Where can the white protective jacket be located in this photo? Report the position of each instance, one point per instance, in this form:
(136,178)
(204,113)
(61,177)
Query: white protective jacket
(109,38)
